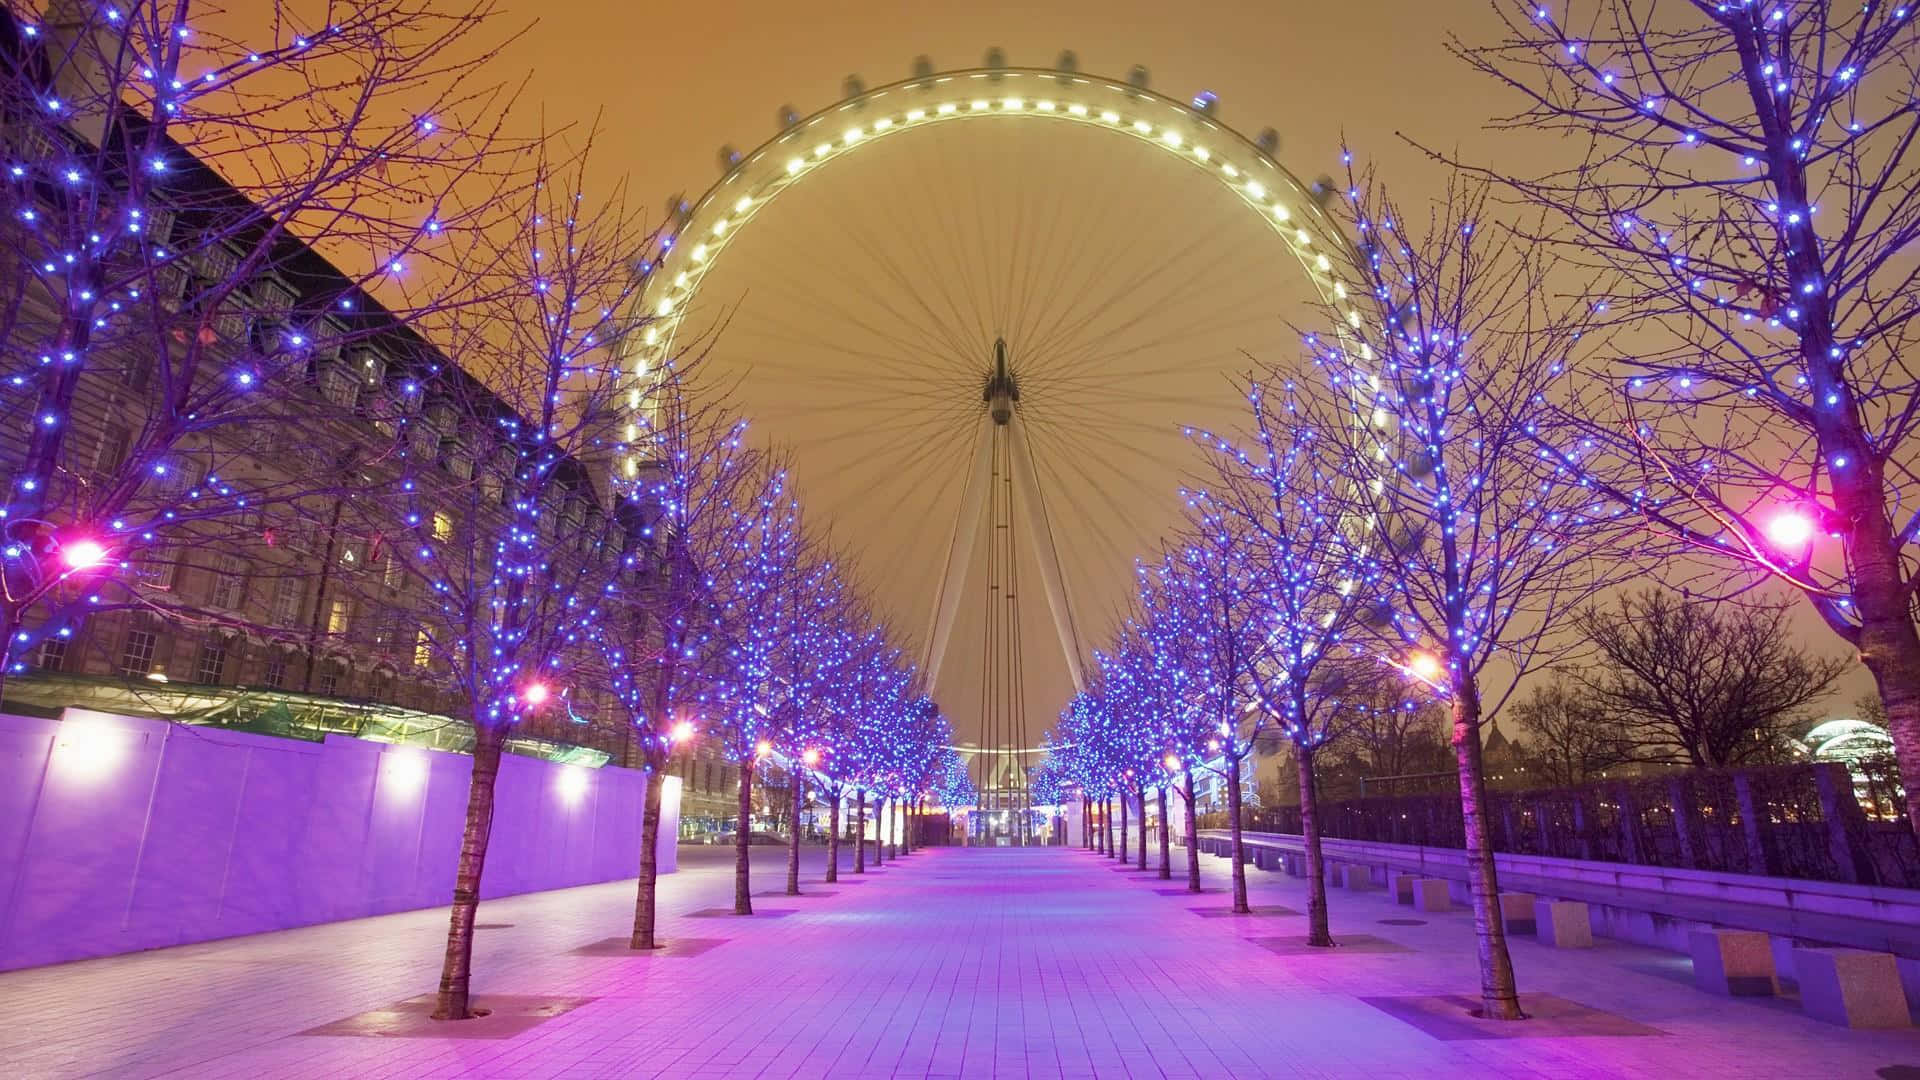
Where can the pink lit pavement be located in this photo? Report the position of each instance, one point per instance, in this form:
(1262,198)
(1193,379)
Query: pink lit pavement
(1038,962)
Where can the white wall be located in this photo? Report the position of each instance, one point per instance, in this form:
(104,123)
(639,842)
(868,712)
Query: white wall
(120,833)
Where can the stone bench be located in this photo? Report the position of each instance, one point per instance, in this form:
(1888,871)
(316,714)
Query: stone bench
(1358,878)
(1850,987)
(1517,912)
(1563,924)
(1734,962)
(1430,894)
(1403,886)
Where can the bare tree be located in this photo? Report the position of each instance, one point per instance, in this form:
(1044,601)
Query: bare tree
(1574,738)
(1284,496)
(500,507)
(1747,204)
(663,649)
(1432,390)
(1708,685)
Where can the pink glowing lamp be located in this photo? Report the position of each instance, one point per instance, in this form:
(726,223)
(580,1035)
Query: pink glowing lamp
(83,554)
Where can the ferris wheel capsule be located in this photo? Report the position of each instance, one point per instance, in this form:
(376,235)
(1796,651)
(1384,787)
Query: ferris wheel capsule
(788,117)
(923,68)
(1268,142)
(1067,63)
(729,158)
(852,86)
(1321,189)
(1139,77)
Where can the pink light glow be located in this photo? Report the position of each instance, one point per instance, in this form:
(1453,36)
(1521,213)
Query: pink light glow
(683,731)
(83,554)
(1790,531)
(811,757)
(536,694)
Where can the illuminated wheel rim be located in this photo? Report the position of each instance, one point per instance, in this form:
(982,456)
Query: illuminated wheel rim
(672,273)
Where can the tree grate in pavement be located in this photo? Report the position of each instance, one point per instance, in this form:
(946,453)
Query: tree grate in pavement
(507,1015)
(729,913)
(1342,943)
(1227,912)
(668,948)
(1450,1017)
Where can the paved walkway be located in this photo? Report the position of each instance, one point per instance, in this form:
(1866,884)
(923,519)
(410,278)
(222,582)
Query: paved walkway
(1040,962)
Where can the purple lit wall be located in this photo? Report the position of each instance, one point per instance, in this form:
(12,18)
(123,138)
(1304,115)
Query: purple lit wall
(119,834)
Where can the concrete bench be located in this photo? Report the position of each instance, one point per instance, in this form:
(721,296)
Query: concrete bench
(1403,886)
(1430,894)
(1734,962)
(1563,924)
(1358,878)
(1516,912)
(1851,987)
(1296,864)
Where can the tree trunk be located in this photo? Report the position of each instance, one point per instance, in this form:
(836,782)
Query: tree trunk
(860,831)
(1890,651)
(644,903)
(833,838)
(879,832)
(1317,932)
(1121,851)
(1193,837)
(793,841)
(742,879)
(456,971)
(1499,996)
(1086,822)
(1142,796)
(1166,839)
(1240,904)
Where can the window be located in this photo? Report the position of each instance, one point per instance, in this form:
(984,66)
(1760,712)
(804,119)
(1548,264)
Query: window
(227,588)
(161,568)
(212,665)
(287,595)
(338,385)
(422,649)
(350,553)
(329,681)
(708,784)
(275,674)
(53,654)
(390,571)
(111,451)
(136,654)
(139,372)
(442,525)
(339,616)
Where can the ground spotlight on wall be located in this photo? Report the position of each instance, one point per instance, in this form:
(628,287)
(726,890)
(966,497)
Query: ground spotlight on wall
(405,771)
(571,784)
(89,749)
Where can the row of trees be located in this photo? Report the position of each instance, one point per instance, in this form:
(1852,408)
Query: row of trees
(556,533)
(1681,354)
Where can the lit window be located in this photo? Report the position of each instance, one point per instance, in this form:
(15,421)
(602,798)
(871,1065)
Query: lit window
(422,649)
(136,655)
(339,616)
(442,525)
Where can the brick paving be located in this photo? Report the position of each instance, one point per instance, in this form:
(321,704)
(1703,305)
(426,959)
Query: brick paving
(950,963)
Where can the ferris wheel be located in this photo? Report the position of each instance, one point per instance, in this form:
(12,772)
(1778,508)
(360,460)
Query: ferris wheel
(981,306)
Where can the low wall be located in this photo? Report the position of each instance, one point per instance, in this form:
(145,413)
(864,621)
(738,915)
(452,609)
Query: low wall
(119,834)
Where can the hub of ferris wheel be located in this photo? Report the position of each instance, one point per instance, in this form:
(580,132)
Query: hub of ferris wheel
(1002,390)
